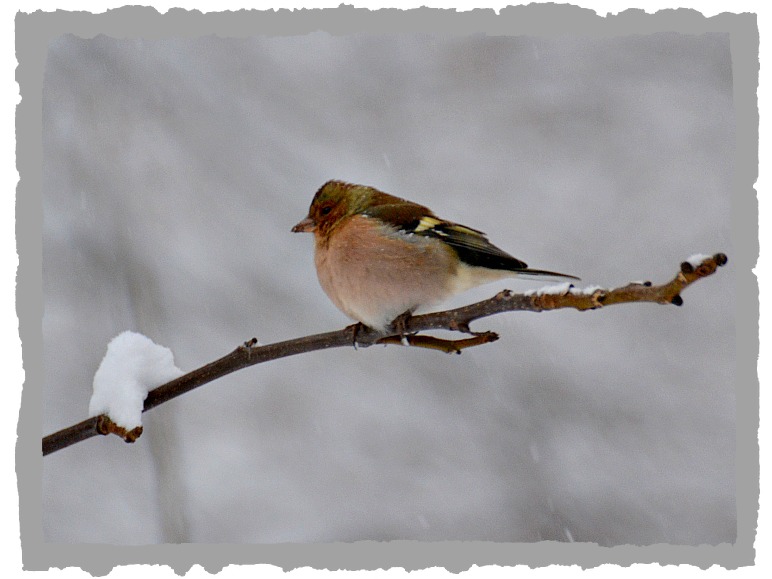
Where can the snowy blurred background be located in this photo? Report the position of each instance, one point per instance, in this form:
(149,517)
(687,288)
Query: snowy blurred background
(173,171)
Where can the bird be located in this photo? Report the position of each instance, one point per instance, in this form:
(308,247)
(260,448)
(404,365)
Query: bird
(379,257)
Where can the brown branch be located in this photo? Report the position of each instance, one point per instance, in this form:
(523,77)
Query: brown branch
(457,320)
(447,346)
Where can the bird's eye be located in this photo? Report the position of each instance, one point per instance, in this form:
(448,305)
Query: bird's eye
(326,210)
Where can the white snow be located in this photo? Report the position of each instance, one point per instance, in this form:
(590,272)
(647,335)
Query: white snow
(555,289)
(588,291)
(132,366)
(696,259)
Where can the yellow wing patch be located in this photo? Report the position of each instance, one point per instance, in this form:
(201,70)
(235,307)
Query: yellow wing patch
(467,230)
(426,223)
(448,229)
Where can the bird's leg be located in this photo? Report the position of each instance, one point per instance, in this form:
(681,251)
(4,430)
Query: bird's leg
(399,324)
(355,329)
(461,326)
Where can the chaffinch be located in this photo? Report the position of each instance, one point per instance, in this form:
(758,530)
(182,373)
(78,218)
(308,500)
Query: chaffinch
(378,256)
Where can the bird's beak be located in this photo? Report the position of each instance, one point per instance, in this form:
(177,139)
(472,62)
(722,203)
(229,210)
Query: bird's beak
(307,225)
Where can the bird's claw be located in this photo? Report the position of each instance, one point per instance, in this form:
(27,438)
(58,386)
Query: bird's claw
(399,324)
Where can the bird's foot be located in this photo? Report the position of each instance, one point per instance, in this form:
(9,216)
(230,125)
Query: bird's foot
(355,329)
(399,324)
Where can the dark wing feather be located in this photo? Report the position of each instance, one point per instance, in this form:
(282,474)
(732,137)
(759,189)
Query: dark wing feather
(471,245)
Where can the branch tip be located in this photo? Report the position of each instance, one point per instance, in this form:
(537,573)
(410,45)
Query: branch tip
(707,266)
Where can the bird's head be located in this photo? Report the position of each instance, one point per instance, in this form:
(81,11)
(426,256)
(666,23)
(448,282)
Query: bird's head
(334,201)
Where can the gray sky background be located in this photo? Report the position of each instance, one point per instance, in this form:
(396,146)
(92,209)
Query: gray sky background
(173,171)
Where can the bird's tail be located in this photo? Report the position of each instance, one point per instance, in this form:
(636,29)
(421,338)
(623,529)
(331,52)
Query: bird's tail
(543,274)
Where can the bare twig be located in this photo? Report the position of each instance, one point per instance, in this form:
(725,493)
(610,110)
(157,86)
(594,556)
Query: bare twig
(433,343)
(458,320)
